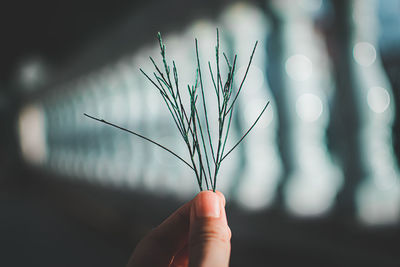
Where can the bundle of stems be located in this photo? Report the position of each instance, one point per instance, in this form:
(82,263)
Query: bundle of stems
(206,152)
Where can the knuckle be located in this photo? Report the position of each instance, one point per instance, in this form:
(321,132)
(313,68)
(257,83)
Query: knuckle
(210,234)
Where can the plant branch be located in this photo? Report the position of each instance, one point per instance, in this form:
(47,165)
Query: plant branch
(248,131)
(141,136)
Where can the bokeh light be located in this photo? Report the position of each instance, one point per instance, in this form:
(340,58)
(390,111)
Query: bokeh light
(364,53)
(378,99)
(299,67)
(309,107)
(32,135)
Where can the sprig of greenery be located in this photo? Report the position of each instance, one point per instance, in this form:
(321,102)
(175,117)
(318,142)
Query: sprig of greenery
(205,157)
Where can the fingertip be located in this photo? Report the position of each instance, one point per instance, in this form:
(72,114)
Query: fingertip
(219,194)
(222,197)
(207,204)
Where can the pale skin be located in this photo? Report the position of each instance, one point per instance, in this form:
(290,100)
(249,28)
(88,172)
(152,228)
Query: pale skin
(195,235)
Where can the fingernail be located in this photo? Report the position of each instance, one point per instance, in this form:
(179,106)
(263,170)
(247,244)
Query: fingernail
(207,204)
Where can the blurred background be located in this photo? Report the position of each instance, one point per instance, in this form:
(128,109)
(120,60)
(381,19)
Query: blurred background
(316,183)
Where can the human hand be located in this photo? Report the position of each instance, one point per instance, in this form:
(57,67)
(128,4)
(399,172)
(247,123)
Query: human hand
(195,235)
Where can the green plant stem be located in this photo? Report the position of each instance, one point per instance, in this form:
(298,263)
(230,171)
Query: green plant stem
(141,136)
(196,137)
(247,132)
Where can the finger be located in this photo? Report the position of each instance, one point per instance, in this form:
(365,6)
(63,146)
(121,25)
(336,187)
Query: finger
(209,234)
(222,197)
(223,201)
(161,244)
(181,259)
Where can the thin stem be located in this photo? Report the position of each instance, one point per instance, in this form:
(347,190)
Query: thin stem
(177,112)
(213,81)
(194,134)
(248,131)
(161,74)
(244,78)
(227,131)
(204,146)
(204,100)
(141,136)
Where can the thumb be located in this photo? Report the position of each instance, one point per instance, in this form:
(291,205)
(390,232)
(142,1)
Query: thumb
(209,234)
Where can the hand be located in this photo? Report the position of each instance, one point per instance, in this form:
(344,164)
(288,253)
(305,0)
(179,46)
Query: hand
(197,234)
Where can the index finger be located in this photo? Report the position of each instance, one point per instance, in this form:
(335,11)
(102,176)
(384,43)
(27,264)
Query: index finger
(159,247)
